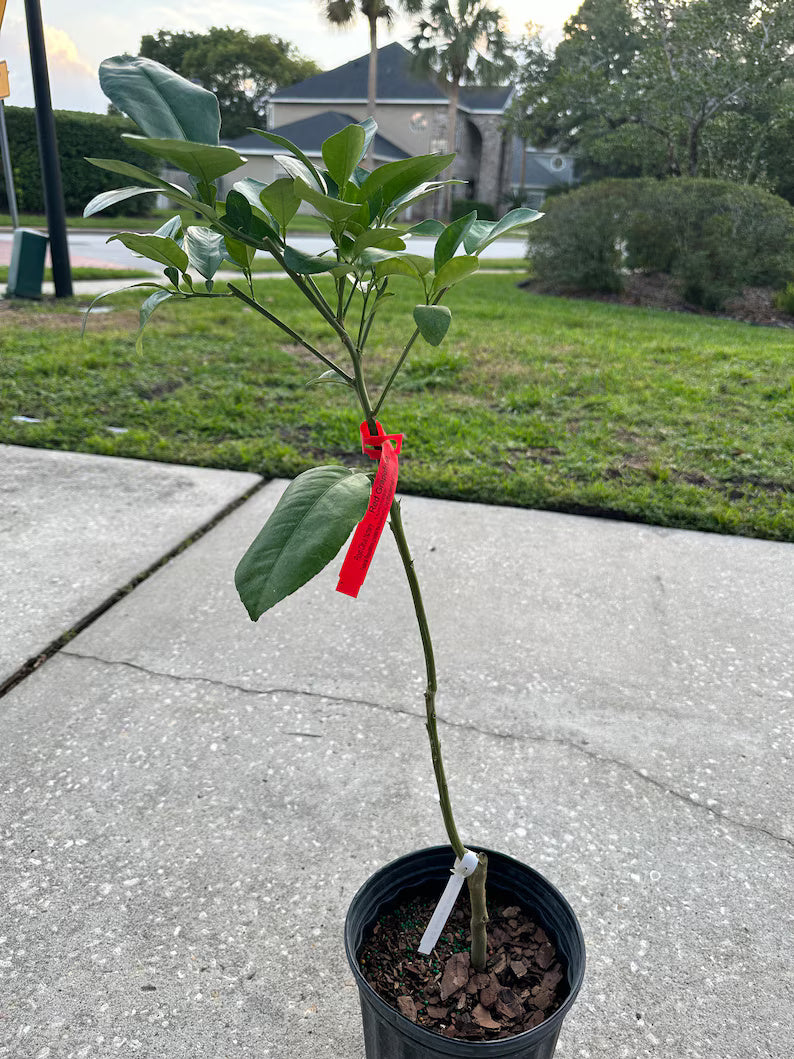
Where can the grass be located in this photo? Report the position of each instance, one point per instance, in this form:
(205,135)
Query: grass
(535,401)
(120,274)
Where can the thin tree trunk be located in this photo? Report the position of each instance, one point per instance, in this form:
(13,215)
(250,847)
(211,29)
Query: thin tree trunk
(452,132)
(372,83)
(523,178)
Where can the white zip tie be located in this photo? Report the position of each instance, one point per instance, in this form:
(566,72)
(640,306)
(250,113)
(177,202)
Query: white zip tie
(460,870)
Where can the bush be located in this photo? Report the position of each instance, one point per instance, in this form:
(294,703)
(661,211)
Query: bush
(713,236)
(79,136)
(578,243)
(460,207)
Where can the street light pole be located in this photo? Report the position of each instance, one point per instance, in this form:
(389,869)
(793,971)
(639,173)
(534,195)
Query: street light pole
(48,153)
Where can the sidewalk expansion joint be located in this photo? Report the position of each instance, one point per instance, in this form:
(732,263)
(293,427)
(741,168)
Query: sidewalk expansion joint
(116,596)
(568,744)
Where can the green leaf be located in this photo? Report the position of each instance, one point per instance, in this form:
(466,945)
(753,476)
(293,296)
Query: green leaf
(385,238)
(239,253)
(205,250)
(309,525)
(153,247)
(428,227)
(282,141)
(307,264)
(242,218)
(423,265)
(456,269)
(147,309)
(279,198)
(109,294)
(335,210)
(110,198)
(199,159)
(171,228)
(449,241)
(342,153)
(397,178)
(370,127)
(416,195)
(433,322)
(397,266)
(160,102)
(177,194)
(330,376)
(483,233)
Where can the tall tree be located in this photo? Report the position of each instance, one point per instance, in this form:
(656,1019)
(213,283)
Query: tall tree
(242,70)
(532,61)
(343,13)
(464,46)
(665,86)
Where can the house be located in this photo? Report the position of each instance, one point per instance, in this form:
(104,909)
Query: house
(411,112)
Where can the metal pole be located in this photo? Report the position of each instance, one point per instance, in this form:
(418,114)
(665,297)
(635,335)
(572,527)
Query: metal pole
(48,153)
(7,174)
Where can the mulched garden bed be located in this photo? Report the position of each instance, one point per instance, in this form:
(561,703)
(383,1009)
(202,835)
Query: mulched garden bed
(657,290)
(522,985)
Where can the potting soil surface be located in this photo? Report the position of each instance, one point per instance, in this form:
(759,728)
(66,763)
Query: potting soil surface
(523,982)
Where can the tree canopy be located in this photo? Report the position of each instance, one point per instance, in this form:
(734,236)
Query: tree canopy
(669,87)
(242,70)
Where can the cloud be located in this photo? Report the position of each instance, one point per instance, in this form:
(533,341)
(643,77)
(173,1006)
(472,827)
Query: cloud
(62,53)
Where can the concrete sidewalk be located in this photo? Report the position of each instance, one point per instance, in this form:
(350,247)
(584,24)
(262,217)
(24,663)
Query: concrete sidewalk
(191,800)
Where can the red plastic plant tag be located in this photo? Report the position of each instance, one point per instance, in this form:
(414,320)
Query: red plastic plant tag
(365,539)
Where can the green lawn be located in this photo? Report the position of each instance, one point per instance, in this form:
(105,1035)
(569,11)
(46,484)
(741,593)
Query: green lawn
(536,401)
(121,274)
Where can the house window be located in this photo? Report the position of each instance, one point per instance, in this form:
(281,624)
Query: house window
(417,122)
(557,162)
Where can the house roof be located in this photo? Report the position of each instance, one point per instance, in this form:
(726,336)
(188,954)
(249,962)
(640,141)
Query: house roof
(485,99)
(348,83)
(309,134)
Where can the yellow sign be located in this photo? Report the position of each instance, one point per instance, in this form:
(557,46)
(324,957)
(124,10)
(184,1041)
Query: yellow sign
(2,10)
(4,90)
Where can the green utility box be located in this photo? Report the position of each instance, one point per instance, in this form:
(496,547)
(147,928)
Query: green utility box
(26,271)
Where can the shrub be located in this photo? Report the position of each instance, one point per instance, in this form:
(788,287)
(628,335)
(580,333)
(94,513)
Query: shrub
(460,207)
(577,244)
(79,135)
(784,299)
(713,236)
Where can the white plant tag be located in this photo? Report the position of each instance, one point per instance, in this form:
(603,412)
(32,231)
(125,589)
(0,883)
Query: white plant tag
(461,869)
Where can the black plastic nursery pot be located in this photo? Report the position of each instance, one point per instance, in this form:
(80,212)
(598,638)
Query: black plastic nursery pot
(387,1033)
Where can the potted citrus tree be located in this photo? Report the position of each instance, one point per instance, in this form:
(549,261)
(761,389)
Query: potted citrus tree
(495,969)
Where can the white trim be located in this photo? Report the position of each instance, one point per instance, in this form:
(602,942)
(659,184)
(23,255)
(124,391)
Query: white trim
(271,152)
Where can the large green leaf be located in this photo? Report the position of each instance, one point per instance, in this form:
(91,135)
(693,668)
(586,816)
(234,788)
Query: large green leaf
(335,210)
(177,194)
(244,219)
(397,178)
(482,233)
(205,250)
(147,308)
(199,159)
(385,238)
(307,264)
(160,102)
(342,153)
(309,525)
(280,200)
(154,247)
(416,195)
(433,322)
(449,241)
(110,198)
(456,269)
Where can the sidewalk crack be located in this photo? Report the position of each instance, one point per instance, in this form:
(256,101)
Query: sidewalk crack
(569,744)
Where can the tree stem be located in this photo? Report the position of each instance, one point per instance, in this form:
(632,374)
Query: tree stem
(479,914)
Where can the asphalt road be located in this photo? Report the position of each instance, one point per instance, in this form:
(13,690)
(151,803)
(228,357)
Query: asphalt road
(91,248)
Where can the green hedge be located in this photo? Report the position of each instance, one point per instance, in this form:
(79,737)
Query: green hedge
(79,136)
(713,236)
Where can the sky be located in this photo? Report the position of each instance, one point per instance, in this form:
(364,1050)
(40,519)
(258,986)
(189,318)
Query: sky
(79,35)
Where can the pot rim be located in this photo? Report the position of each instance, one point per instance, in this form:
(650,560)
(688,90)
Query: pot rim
(420,1033)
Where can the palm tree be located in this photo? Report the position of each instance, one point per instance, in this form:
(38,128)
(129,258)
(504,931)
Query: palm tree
(468,46)
(343,12)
